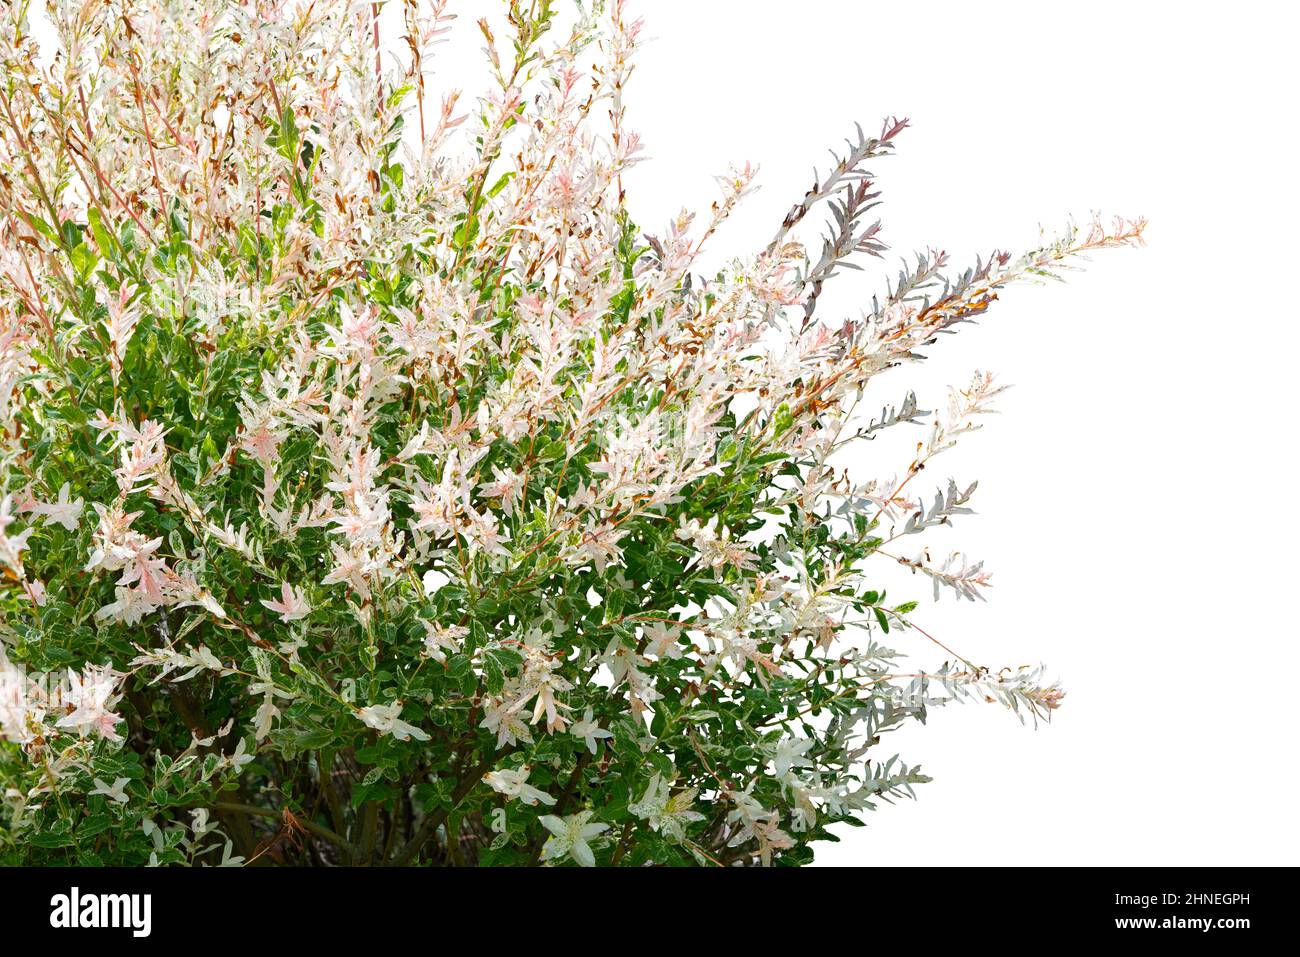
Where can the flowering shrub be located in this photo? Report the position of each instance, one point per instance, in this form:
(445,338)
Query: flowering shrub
(370,499)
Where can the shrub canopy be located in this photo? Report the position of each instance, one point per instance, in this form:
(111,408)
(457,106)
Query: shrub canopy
(375,491)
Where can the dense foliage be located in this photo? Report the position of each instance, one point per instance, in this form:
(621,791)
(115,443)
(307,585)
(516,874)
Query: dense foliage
(375,491)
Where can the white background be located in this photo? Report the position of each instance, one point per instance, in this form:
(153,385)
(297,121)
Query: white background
(1136,498)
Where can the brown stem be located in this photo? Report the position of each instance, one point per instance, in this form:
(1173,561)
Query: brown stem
(431,822)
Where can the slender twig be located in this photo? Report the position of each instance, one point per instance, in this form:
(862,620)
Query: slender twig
(319,830)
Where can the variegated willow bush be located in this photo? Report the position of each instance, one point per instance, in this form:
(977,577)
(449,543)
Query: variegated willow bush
(376,492)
